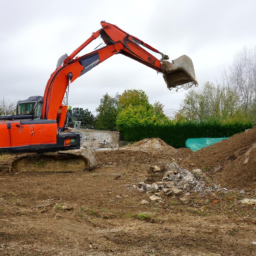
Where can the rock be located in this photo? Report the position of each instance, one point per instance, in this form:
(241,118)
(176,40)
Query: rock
(169,184)
(169,192)
(161,193)
(197,172)
(67,207)
(155,168)
(184,199)
(217,168)
(144,202)
(154,198)
(176,191)
(155,187)
(248,201)
(141,188)
(118,176)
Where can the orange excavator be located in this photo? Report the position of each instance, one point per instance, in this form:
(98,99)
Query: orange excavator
(39,123)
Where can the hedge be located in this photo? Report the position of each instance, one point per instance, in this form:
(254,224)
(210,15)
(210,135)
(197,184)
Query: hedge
(176,134)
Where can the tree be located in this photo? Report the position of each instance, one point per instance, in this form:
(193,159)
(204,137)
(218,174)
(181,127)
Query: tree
(106,119)
(209,103)
(83,115)
(133,98)
(241,77)
(7,107)
(131,107)
(134,108)
(134,115)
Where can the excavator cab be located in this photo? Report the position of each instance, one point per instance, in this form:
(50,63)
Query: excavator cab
(31,107)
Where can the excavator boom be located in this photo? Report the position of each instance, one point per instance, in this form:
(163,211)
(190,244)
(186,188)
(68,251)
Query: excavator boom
(117,42)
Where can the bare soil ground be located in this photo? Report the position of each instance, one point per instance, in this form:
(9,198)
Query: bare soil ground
(231,162)
(52,208)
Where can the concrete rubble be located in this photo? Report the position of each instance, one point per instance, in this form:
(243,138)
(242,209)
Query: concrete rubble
(174,181)
(248,201)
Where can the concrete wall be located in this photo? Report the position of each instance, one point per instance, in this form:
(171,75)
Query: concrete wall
(98,139)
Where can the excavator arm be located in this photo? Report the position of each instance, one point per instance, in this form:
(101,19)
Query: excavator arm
(117,42)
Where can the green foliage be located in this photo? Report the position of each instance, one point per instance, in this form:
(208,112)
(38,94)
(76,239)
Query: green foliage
(210,103)
(176,133)
(143,216)
(139,115)
(134,109)
(132,98)
(83,115)
(106,119)
(58,207)
(128,109)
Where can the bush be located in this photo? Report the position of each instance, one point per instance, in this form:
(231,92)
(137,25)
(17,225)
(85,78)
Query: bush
(176,133)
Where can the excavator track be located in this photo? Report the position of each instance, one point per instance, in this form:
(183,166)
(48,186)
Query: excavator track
(64,161)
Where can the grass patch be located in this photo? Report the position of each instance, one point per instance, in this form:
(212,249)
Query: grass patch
(58,207)
(143,216)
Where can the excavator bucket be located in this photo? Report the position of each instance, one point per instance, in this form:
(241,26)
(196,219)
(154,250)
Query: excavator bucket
(179,72)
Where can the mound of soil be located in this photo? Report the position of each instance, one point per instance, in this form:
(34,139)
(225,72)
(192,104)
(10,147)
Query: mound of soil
(152,144)
(231,162)
(148,151)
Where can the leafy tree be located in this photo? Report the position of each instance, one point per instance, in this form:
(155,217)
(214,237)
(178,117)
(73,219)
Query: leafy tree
(106,119)
(241,78)
(134,98)
(84,115)
(209,103)
(145,115)
(131,107)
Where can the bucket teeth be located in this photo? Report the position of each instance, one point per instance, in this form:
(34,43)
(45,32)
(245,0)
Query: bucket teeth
(178,72)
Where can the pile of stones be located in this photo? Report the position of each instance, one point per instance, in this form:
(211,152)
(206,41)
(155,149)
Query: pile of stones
(174,181)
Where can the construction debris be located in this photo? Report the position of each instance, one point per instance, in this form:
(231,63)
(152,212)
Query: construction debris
(175,181)
(248,201)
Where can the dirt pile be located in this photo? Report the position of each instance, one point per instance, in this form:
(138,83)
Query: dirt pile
(152,144)
(231,163)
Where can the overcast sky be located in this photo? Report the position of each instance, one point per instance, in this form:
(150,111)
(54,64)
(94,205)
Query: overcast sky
(34,34)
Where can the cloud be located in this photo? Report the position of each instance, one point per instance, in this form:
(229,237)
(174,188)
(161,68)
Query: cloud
(35,34)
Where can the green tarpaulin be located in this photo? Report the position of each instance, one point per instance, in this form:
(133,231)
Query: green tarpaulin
(198,143)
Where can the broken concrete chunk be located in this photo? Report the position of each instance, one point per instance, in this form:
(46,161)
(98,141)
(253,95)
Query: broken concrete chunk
(154,198)
(184,199)
(161,193)
(169,193)
(156,168)
(197,172)
(67,207)
(248,201)
(144,202)
(155,187)
(176,191)
(217,168)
